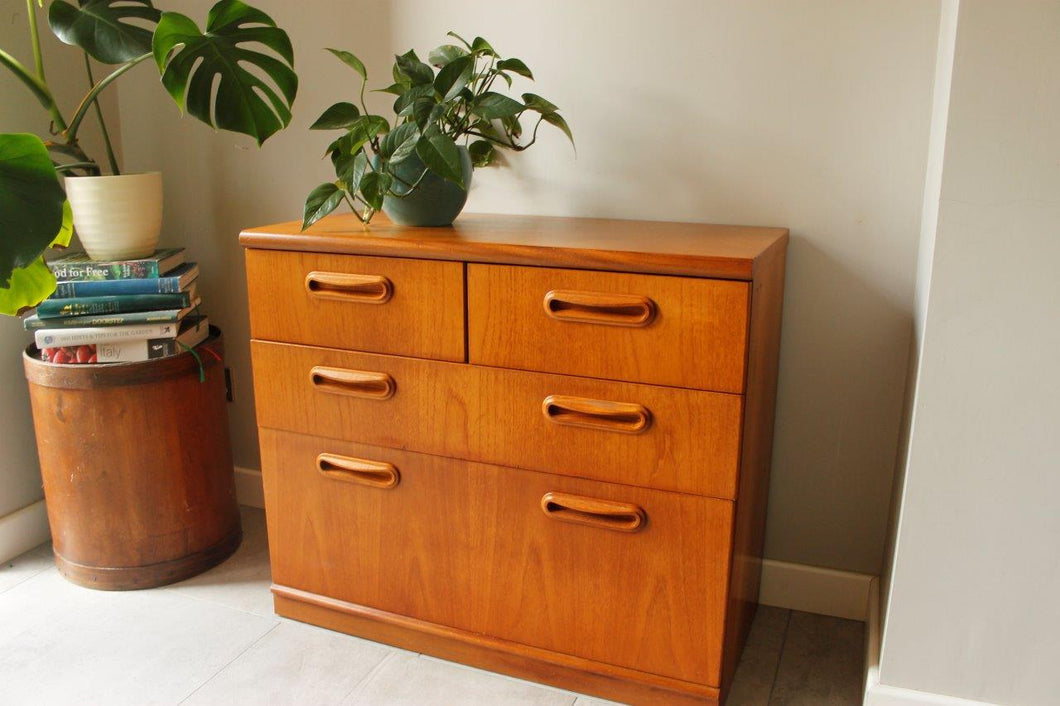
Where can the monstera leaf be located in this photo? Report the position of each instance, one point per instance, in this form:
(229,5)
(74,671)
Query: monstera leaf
(34,215)
(31,202)
(191,61)
(103,28)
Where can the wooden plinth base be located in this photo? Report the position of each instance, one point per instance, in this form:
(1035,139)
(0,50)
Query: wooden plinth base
(560,670)
(110,578)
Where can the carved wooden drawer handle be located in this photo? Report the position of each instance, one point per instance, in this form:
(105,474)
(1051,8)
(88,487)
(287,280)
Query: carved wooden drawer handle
(339,286)
(606,514)
(358,470)
(355,383)
(600,308)
(625,417)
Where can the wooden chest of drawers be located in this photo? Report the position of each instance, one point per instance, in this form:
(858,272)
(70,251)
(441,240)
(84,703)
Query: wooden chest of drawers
(535,445)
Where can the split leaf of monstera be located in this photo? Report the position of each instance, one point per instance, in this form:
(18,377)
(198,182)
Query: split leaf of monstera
(191,61)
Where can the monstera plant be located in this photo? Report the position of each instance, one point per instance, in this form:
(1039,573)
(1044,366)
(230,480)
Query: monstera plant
(217,74)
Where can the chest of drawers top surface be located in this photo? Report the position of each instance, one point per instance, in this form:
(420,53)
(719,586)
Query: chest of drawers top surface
(659,247)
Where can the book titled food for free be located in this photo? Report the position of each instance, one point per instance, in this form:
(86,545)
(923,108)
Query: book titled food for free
(177,280)
(193,331)
(78,267)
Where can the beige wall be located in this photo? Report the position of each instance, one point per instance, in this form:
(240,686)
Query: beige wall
(813,115)
(972,611)
(20,112)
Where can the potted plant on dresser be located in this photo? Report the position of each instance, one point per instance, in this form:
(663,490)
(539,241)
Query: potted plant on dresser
(417,171)
(119,216)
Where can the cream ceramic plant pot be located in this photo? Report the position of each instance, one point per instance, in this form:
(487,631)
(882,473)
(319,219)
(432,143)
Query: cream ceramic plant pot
(117,217)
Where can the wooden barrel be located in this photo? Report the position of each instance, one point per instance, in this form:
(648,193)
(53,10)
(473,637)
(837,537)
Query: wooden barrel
(137,466)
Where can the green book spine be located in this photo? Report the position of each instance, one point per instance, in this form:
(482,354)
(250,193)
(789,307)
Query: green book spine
(118,304)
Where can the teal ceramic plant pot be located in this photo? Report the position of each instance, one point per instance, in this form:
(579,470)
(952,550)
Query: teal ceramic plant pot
(435,202)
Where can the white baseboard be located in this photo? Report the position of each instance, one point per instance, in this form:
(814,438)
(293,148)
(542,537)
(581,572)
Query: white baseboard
(877,694)
(23,530)
(249,490)
(843,594)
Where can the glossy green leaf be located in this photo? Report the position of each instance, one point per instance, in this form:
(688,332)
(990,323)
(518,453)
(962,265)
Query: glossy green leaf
(441,56)
(454,35)
(400,79)
(31,202)
(350,60)
(395,88)
(403,104)
(321,201)
(557,120)
(453,77)
(111,31)
(481,46)
(338,117)
(399,143)
(425,111)
(440,155)
(516,66)
(31,285)
(356,172)
(191,63)
(482,152)
(539,104)
(361,131)
(417,71)
(512,125)
(374,186)
(491,105)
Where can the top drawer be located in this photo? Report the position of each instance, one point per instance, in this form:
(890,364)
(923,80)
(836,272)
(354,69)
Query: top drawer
(677,331)
(375,304)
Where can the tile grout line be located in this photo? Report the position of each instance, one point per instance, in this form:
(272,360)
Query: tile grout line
(780,656)
(229,663)
(392,655)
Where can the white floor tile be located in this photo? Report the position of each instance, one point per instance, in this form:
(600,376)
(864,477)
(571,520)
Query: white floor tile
(243,581)
(26,566)
(293,664)
(62,644)
(590,701)
(405,680)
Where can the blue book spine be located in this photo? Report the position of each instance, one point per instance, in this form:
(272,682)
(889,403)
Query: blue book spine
(115,287)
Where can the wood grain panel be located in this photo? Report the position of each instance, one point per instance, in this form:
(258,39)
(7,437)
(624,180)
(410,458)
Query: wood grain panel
(405,307)
(628,686)
(468,546)
(695,335)
(767,303)
(696,249)
(496,416)
(136,466)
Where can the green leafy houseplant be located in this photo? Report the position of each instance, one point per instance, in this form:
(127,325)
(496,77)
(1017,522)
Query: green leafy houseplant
(433,111)
(204,71)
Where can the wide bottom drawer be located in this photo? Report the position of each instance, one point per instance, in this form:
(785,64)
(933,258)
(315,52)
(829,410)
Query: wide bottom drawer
(618,574)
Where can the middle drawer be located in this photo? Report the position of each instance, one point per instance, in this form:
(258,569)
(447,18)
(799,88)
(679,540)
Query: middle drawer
(618,432)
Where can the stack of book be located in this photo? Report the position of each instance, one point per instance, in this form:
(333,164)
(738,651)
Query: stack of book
(119,312)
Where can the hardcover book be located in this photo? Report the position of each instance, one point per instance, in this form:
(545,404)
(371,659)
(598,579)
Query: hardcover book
(193,331)
(54,338)
(79,267)
(119,304)
(34,322)
(174,281)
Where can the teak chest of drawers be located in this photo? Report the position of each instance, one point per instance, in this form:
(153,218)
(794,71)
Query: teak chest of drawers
(535,445)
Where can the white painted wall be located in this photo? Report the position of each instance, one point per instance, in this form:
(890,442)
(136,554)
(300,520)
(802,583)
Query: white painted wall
(20,112)
(810,114)
(972,610)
